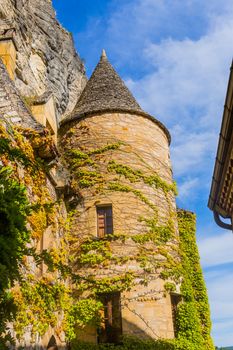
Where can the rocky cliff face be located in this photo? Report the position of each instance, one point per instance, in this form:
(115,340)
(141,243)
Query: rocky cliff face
(46,57)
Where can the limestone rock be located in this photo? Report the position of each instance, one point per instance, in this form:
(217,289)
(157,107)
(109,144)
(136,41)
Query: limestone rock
(46,57)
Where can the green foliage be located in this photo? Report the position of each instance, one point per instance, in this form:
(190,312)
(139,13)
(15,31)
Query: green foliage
(116,186)
(7,314)
(109,147)
(128,343)
(84,312)
(39,303)
(112,284)
(133,175)
(14,153)
(88,178)
(14,236)
(158,234)
(169,287)
(192,324)
(129,173)
(193,315)
(77,159)
(93,252)
(17,157)
(188,324)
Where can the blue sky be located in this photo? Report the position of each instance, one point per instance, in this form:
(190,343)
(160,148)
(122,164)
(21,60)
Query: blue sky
(175,57)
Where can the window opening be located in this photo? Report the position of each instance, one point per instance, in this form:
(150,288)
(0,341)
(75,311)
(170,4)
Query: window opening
(111,328)
(175,300)
(104,221)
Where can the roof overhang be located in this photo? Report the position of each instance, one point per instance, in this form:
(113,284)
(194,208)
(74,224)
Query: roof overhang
(221,194)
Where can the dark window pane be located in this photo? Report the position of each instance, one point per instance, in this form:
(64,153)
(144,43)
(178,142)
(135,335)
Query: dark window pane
(175,300)
(104,221)
(111,330)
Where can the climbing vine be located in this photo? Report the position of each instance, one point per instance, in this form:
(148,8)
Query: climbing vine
(194,323)
(89,169)
(14,236)
(175,267)
(133,175)
(26,211)
(75,265)
(128,343)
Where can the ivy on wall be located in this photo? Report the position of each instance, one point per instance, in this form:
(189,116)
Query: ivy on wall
(25,209)
(176,267)
(14,236)
(129,343)
(56,299)
(89,169)
(194,323)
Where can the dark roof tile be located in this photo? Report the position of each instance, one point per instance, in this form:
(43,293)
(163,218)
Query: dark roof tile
(105,90)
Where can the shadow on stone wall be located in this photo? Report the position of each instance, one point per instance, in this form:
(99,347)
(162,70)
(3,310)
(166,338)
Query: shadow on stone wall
(132,329)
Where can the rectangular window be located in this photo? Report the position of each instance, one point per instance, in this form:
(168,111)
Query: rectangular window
(175,300)
(104,221)
(111,329)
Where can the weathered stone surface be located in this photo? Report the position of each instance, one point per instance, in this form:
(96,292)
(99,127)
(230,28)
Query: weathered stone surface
(12,107)
(46,57)
(143,147)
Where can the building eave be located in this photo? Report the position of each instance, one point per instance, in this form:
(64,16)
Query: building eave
(225,146)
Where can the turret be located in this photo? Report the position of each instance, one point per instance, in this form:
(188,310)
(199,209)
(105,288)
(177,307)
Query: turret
(123,198)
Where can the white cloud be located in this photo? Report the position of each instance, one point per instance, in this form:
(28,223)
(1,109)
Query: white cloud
(189,78)
(190,149)
(185,89)
(220,285)
(216,250)
(132,24)
(187,187)
(222,331)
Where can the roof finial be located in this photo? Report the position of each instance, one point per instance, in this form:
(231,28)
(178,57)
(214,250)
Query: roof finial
(103,56)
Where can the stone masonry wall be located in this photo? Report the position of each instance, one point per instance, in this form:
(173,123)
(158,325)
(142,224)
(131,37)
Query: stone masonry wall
(111,157)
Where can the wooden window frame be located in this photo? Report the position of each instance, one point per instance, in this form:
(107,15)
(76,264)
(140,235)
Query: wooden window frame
(111,328)
(107,225)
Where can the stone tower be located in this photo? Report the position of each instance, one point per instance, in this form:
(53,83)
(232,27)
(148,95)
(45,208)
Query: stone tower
(111,254)
(123,199)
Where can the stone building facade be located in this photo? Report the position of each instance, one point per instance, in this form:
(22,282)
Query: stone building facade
(105,227)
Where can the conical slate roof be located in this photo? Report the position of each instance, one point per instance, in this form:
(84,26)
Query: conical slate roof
(105,91)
